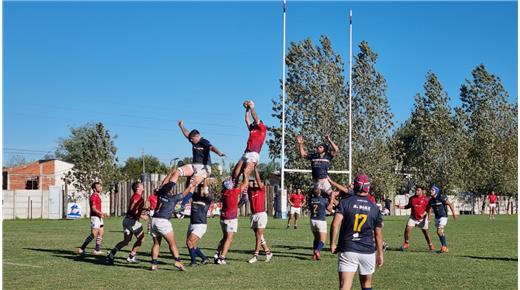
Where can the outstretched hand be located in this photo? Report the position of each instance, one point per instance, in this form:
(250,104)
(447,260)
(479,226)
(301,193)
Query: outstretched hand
(299,139)
(180,123)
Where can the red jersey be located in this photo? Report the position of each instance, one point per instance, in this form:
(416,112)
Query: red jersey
(256,138)
(152,199)
(418,205)
(256,197)
(492,198)
(229,201)
(95,201)
(371,198)
(296,199)
(135,212)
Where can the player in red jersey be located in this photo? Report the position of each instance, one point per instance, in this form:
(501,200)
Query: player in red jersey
(492,204)
(256,195)
(151,203)
(96,221)
(418,217)
(257,133)
(131,225)
(228,218)
(295,201)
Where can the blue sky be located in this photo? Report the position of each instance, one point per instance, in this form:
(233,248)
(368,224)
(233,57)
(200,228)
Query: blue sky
(139,67)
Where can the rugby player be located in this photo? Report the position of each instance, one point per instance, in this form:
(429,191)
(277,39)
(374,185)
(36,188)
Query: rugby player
(360,226)
(318,206)
(256,195)
(131,225)
(151,203)
(161,226)
(228,218)
(492,204)
(295,201)
(418,217)
(320,162)
(439,203)
(198,225)
(96,221)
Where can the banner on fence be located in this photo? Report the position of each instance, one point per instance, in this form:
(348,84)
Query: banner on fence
(73,210)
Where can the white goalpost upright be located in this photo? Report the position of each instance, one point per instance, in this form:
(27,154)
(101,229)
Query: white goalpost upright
(283,170)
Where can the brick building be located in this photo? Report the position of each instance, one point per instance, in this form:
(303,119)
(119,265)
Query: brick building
(36,175)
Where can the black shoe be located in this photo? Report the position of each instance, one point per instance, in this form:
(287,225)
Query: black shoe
(205,261)
(295,226)
(192,265)
(109,260)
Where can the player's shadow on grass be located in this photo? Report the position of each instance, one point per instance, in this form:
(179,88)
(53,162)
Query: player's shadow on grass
(492,258)
(276,253)
(97,260)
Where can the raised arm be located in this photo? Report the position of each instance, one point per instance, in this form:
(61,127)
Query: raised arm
(334,228)
(216,151)
(185,131)
(335,148)
(299,140)
(248,121)
(258,178)
(255,116)
(338,186)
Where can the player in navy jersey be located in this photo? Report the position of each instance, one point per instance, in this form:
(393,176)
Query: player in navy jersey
(161,226)
(318,213)
(320,162)
(198,225)
(200,169)
(439,204)
(360,223)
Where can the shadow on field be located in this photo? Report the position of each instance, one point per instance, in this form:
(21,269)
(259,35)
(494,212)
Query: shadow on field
(492,258)
(299,256)
(98,260)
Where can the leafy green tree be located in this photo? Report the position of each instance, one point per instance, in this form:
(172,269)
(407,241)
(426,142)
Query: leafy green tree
(92,151)
(133,167)
(372,148)
(492,124)
(316,105)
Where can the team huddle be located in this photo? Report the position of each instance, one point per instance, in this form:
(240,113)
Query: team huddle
(356,234)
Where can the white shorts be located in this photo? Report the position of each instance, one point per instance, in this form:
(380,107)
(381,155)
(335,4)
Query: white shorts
(197,229)
(323,184)
(201,170)
(318,226)
(131,226)
(229,226)
(151,212)
(492,205)
(423,224)
(259,220)
(252,157)
(296,210)
(352,262)
(161,227)
(96,222)
(440,223)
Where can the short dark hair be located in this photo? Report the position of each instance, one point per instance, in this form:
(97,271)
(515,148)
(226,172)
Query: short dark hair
(193,133)
(419,186)
(93,186)
(135,185)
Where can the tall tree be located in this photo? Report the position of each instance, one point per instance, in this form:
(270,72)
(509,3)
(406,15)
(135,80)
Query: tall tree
(133,167)
(372,121)
(92,151)
(316,105)
(492,124)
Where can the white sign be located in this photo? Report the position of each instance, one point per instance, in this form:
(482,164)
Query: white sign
(73,210)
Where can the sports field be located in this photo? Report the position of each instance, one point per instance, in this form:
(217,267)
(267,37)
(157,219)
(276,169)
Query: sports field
(40,254)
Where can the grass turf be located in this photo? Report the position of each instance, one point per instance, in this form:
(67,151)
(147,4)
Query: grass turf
(40,254)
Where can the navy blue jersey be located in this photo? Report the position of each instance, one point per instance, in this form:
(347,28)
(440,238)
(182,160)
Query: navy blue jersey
(320,165)
(318,206)
(166,202)
(199,209)
(201,152)
(360,218)
(438,204)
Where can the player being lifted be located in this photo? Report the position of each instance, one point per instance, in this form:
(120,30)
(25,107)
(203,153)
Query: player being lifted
(360,227)
(131,225)
(161,226)
(96,221)
(320,162)
(439,203)
(418,217)
(200,169)
(256,195)
(198,225)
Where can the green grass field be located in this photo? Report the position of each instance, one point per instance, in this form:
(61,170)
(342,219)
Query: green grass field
(40,254)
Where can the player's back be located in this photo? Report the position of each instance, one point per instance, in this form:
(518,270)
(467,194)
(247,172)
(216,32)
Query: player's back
(318,206)
(360,218)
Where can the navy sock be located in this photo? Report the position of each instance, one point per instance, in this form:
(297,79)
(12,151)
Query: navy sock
(193,255)
(366,288)
(178,259)
(154,261)
(314,245)
(199,253)
(87,241)
(320,246)
(443,240)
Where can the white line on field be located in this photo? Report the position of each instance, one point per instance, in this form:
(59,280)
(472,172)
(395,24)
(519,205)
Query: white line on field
(23,265)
